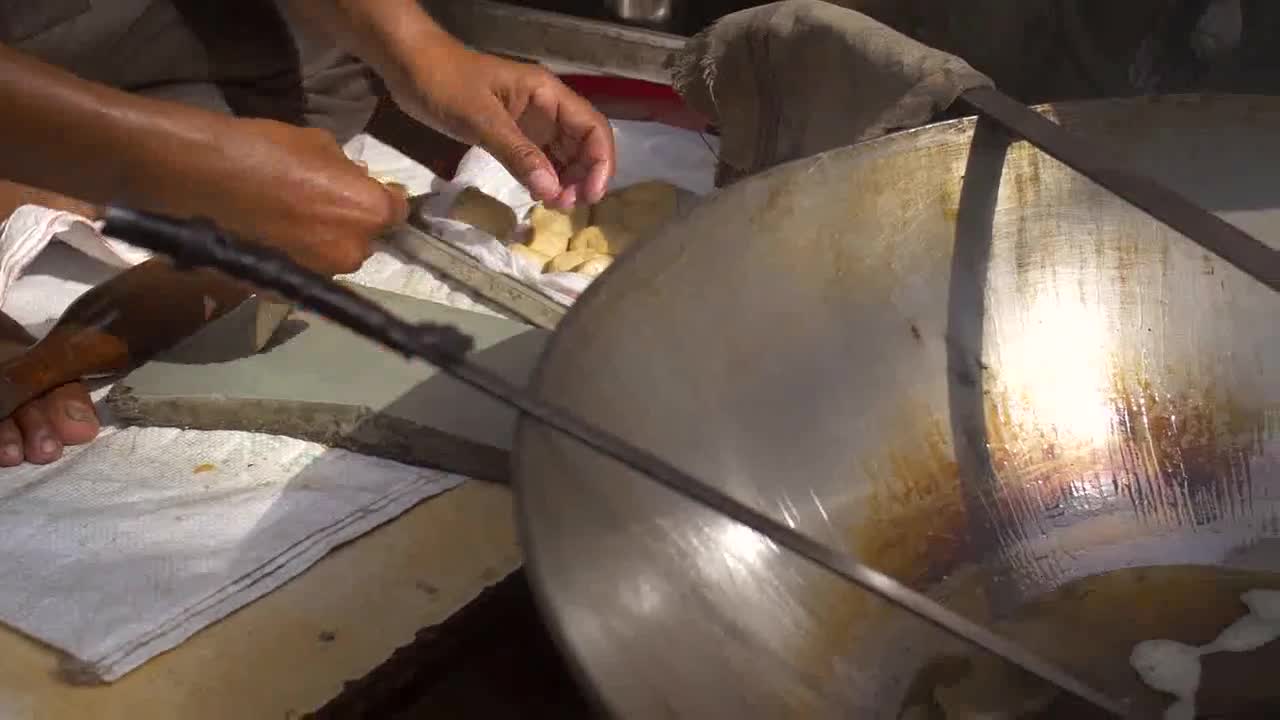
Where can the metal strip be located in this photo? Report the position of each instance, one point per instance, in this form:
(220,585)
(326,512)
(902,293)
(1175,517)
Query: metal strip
(1099,163)
(507,293)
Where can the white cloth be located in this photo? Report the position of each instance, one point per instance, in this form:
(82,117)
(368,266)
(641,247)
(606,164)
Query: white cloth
(127,546)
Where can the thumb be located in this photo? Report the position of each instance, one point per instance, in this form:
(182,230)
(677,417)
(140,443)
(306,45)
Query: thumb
(399,195)
(521,157)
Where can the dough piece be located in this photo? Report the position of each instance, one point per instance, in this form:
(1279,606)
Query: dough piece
(483,212)
(535,258)
(595,266)
(647,206)
(551,230)
(590,238)
(637,210)
(566,261)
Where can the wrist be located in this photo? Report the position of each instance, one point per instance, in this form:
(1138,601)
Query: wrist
(176,155)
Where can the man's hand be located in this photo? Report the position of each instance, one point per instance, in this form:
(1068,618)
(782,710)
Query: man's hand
(546,135)
(271,182)
(290,187)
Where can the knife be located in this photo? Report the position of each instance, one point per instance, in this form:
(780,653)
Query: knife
(123,322)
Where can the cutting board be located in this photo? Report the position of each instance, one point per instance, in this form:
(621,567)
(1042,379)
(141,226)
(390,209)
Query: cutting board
(317,381)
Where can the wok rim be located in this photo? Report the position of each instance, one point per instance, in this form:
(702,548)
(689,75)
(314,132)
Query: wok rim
(546,599)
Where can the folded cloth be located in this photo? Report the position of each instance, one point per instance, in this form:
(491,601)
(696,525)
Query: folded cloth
(792,79)
(130,545)
(30,229)
(127,546)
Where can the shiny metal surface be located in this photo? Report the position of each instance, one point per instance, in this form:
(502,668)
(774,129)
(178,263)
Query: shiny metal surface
(642,12)
(592,45)
(949,355)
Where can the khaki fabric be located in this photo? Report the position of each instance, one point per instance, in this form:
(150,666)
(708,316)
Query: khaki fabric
(237,56)
(791,79)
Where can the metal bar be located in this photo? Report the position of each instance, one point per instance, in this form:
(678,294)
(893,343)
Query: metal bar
(530,34)
(506,293)
(1101,165)
(201,244)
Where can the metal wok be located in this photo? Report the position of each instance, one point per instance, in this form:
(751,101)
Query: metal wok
(941,351)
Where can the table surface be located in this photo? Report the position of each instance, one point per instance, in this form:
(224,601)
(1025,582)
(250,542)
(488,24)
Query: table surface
(290,652)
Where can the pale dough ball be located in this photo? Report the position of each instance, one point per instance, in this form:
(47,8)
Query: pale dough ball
(590,238)
(610,239)
(551,230)
(533,257)
(635,210)
(566,261)
(483,212)
(595,266)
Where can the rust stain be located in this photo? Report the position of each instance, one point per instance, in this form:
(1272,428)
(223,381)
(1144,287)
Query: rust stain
(204,468)
(1183,459)
(915,518)
(1180,459)
(912,526)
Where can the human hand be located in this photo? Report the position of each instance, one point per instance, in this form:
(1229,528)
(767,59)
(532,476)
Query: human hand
(548,137)
(289,187)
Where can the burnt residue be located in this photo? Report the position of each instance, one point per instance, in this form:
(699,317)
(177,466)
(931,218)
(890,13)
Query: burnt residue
(915,522)
(1185,458)
(1177,458)
(912,524)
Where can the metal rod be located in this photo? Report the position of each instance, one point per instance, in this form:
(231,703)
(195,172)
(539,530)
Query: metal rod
(508,294)
(201,244)
(1098,163)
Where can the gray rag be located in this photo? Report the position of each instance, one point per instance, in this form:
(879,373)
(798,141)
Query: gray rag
(791,79)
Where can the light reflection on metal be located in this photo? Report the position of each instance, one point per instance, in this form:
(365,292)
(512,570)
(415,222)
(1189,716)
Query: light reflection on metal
(1119,384)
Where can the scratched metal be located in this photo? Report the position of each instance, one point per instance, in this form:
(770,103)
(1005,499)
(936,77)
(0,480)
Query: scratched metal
(948,354)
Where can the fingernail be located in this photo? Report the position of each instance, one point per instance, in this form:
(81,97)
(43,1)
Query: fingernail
(10,454)
(543,184)
(79,412)
(48,445)
(570,196)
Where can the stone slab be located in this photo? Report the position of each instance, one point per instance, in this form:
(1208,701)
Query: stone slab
(317,381)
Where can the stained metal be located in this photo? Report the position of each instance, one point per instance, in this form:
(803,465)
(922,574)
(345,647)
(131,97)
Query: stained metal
(564,40)
(942,351)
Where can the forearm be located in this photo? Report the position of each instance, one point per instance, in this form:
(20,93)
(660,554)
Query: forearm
(397,38)
(14,196)
(89,141)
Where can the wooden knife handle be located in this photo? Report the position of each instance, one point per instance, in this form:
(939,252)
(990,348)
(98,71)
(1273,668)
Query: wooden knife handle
(119,325)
